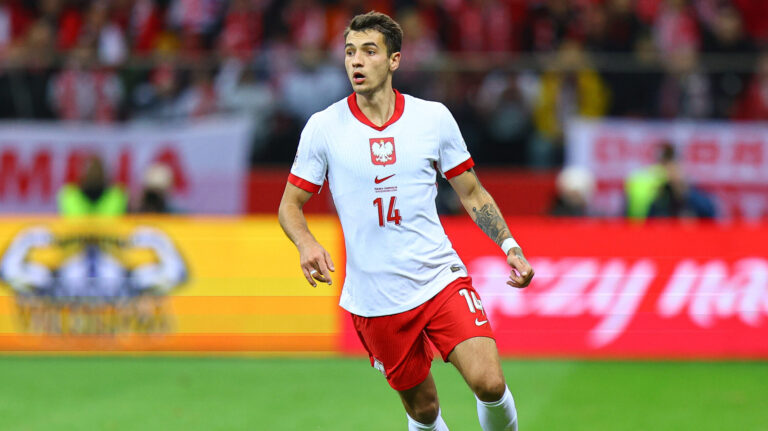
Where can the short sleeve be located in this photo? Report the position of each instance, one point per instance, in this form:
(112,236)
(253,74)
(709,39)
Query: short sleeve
(310,164)
(454,157)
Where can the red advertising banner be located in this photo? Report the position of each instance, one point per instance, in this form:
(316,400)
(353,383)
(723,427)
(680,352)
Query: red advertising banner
(610,289)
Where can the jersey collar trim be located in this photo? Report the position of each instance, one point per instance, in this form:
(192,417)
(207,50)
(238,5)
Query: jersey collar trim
(399,107)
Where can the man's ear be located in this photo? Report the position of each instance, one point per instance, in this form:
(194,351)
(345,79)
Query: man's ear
(394,61)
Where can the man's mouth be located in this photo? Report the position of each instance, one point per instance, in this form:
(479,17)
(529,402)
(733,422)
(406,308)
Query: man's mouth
(358,78)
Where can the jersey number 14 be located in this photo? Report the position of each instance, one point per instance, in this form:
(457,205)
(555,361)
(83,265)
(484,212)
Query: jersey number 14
(393,215)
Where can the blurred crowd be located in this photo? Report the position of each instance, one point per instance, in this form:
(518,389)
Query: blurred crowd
(511,71)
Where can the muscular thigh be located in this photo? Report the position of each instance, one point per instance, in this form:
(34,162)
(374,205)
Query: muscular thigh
(477,359)
(478,362)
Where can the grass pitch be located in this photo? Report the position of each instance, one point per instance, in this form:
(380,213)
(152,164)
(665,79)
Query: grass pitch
(166,393)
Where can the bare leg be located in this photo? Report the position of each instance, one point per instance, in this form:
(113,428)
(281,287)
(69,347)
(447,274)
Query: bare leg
(421,402)
(477,359)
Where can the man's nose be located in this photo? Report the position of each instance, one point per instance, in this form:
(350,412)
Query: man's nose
(357,59)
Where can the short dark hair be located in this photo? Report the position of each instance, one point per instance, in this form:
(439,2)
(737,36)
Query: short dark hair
(667,153)
(393,34)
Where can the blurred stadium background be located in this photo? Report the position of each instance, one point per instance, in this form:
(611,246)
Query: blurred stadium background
(626,142)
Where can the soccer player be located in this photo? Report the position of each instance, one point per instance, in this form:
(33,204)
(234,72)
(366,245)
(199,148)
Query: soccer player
(381,151)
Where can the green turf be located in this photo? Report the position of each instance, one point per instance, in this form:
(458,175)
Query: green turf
(121,393)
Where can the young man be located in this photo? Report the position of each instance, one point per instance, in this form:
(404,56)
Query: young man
(405,285)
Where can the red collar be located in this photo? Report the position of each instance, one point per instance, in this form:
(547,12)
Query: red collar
(399,106)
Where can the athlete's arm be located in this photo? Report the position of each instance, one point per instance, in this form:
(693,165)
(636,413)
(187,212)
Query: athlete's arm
(484,211)
(315,261)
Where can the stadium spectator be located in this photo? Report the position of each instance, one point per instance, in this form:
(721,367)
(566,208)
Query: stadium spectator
(93,194)
(24,80)
(685,90)
(64,16)
(155,195)
(106,35)
(158,98)
(726,36)
(676,28)
(421,47)
(144,21)
(435,20)
(623,28)
(635,90)
(508,124)
(14,20)
(306,22)
(240,90)
(312,74)
(755,18)
(242,31)
(754,103)
(85,91)
(642,186)
(676,197)
(661,190)
(196,23)
(488,26)
(569,87)
(549,23)
(199,99)
(575,187)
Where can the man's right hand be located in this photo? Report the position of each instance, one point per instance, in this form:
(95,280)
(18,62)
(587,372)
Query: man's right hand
(316,263)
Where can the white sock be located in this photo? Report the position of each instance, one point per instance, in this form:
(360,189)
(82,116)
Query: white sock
(437,425)
(498,415)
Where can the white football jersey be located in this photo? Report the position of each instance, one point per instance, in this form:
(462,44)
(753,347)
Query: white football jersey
(383,184)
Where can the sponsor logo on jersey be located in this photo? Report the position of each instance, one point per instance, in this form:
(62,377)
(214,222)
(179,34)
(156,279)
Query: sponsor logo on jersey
(378,180)
(383,151)
(479,322)
(92,280)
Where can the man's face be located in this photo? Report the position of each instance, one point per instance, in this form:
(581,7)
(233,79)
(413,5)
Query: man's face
(367,62)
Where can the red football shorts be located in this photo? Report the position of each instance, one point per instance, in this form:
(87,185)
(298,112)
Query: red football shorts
(398,345)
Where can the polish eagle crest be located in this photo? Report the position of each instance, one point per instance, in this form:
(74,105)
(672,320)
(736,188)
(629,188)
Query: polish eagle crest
(383,151)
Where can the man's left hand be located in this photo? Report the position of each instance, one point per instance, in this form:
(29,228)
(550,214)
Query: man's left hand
(521,273)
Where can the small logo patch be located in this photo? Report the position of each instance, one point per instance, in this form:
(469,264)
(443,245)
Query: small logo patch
(455,268)
(378,180)
(383,151)
(479,322)
(379,366)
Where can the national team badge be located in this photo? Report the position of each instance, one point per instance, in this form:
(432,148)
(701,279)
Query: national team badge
(383,151)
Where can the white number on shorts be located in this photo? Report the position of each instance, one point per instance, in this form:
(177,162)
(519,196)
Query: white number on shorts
(473,302)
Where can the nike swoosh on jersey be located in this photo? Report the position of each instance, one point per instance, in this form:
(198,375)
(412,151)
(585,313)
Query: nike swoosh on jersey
(378,180)
(480,322)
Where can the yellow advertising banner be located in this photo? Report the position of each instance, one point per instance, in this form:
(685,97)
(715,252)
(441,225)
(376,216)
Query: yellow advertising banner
(167,284)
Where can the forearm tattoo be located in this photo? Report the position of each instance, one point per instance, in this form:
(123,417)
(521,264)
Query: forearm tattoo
(490,221)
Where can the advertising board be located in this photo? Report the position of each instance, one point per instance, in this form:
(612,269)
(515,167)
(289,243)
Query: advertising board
(161,284)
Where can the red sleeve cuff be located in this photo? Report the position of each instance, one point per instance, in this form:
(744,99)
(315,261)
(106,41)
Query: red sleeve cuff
(460,169)
(303,184)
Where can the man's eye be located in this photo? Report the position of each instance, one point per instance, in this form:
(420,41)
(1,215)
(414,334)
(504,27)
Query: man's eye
(371,52)
(349,53)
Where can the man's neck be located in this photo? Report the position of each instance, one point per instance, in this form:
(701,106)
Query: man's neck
(378,106)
